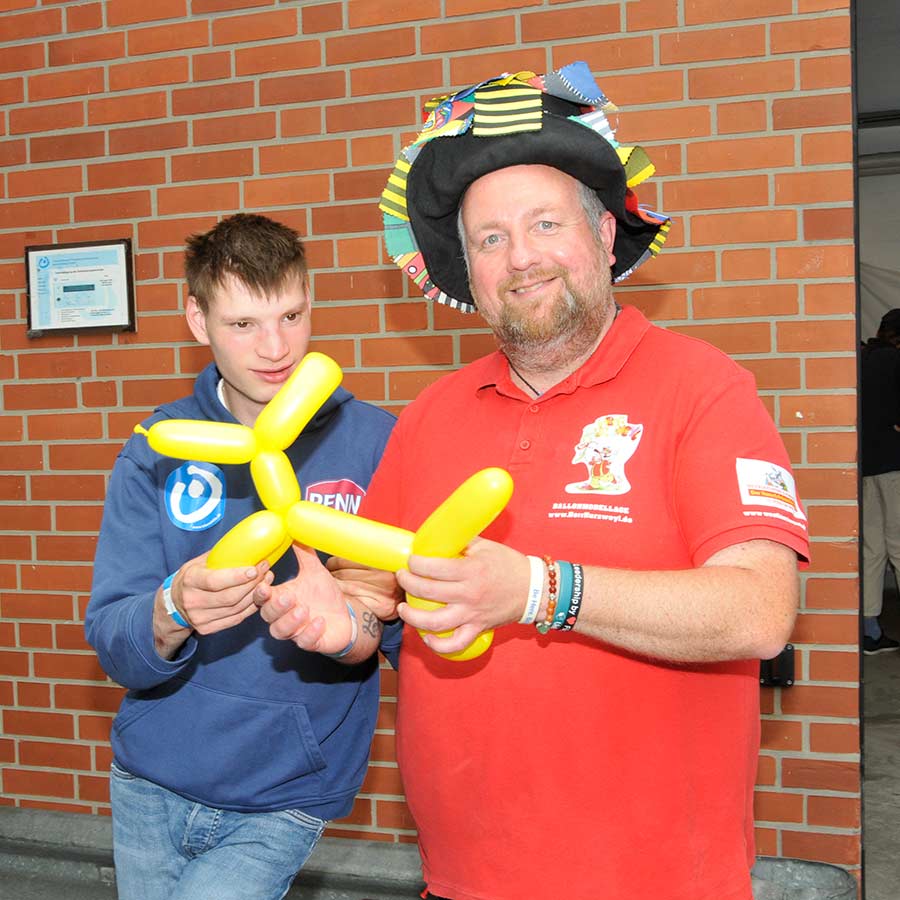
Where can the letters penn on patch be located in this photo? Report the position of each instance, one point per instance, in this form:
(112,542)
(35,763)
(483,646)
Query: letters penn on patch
(342,494)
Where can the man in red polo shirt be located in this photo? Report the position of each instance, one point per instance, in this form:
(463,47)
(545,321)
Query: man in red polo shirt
(605,746)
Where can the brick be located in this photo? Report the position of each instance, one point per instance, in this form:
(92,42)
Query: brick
(830,299)
(419,75)
(818,410)
(149,73)
(75,51)
(664,124)
(67,487)
(72,426)
(822,148)
(39,396)
(836,666)
(127,12)
(50,117)
(302,88)
(746,265)
(367,13)
(148,138)
(824,702)
(833,521)
(451,37)
(646,87)
(736,80)
(806,35)
(54,755)
(235,129)
(36,783)
(67,146)
(198,198)
(644,15)
(41,23)
(826,484)
(12,90)
(700,12)
(716,193)
(372,150)
(96,233)
(737,337)
(147,393)
(393,814)
(53,85)
(22,58)
(13,153)
(359,285)
(364,251)
(168,38)
(769,806)
(302,189)
(68,666)
(468,69)
(346,218)
(222,164)
(172,232)
(822,72)
(837,849)
(778,374)
(132,108)
(830,372)
(840,557)
(749,228)
(211,66)
(27,518)
(214,6)
(34,182)
(618,53)
(776,734)
(811,112)
(84,17)
(318,19)
(375,114)
(765,300)
(814,187)
(814,628)
(834,812)
(128,173)
(55,365)
(349,320)
(741,42)
(264,26)
(400,317)
(134,361)
(121,205)
(79,518)
(98,393)
(383,780)
(278,57)
(407,351)
(355,48)
(742,153)
(818,261)
(302,156)
(94,728)
(302,121)
(37,724)
(570,23)
(828,224)
(87,697)
(828,737)
(677,268)
(152,297)
(213,98)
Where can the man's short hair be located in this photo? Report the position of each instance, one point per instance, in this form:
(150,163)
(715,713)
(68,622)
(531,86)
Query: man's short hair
(261,253)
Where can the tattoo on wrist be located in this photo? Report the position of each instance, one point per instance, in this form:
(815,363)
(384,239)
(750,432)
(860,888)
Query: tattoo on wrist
(371,624)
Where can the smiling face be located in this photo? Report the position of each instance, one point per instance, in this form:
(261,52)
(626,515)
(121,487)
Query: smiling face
(538,268)
(256,340)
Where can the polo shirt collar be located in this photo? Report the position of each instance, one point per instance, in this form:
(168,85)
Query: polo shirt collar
(604,364)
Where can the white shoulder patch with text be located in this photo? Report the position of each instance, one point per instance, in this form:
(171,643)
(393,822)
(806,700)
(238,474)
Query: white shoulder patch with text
(763,483)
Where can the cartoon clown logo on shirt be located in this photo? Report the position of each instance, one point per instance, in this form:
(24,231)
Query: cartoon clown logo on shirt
(606,445)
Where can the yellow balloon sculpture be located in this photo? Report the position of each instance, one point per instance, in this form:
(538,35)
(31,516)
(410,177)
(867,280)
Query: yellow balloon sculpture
(268,534)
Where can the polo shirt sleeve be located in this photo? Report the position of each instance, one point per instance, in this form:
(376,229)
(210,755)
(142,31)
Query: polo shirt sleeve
(733,481)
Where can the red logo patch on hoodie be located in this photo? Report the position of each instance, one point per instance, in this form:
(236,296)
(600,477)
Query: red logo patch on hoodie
(342,494)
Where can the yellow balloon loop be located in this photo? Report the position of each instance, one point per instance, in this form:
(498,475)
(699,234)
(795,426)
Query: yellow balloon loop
(274,479)
(289,411)
(216,442)
(260,536)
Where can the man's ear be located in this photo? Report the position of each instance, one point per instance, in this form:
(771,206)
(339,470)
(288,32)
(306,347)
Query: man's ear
(607,230)
(196,320)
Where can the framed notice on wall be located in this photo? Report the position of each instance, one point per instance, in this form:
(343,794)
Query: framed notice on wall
(80,287)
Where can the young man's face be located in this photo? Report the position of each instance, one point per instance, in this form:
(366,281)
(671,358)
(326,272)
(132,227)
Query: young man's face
(256,341)
(538,269)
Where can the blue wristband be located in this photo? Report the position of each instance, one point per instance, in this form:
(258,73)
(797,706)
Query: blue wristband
(169,603)
(564,600)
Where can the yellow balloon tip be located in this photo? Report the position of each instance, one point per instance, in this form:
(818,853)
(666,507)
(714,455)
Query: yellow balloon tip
(139,429)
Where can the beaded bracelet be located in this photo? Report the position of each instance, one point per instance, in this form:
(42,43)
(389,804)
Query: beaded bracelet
(577,596)
(535,591)
(566,576)
(544,626)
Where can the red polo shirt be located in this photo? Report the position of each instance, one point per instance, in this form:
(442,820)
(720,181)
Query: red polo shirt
(556,766)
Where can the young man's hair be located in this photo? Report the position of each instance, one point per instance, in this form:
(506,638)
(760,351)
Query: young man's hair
(258,251)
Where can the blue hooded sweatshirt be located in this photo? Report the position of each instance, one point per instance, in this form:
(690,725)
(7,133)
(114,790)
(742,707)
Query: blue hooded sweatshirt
(237,720)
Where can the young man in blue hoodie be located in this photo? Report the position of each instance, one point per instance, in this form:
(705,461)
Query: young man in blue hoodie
(232,749)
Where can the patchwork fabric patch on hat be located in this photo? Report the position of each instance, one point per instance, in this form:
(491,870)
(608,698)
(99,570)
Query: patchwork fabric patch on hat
(507,109)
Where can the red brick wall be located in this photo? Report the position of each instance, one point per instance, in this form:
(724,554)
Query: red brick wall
(126,119)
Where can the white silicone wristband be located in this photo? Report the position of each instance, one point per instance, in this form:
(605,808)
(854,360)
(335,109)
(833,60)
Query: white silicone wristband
(535,590)
(354,634)
(169,603)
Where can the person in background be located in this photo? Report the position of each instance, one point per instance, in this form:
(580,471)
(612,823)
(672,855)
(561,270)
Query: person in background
(880,443)
(605,746)
(231,749)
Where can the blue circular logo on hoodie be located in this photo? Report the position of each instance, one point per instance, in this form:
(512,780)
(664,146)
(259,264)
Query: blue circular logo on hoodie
(195,496)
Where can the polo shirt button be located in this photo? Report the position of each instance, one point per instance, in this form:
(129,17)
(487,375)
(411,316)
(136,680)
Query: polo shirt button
(524,445)
(534,408)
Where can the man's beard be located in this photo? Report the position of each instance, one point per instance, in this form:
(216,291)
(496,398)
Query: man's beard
(565,333)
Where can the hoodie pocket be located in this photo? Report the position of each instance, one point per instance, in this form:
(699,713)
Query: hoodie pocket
(222,750)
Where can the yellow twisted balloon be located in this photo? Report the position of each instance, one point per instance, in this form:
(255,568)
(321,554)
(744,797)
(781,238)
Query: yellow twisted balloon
(287,517)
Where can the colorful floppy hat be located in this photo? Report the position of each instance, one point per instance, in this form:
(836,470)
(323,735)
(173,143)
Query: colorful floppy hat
(557,119)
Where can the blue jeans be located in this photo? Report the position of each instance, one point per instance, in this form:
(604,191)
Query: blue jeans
(169,848)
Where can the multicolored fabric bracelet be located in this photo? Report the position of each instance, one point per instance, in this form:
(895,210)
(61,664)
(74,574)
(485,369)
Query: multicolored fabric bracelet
(577,596)
(169,603)
(565,594)
(552,579)
(354,634)
(535,591)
